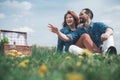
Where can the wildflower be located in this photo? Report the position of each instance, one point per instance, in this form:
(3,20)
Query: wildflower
(78,64)
(106,57)
(75,76)
(87,52)
(42,70)
(68,57)
(80,57)
(24,63)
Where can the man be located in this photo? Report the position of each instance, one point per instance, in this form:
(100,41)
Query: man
(96,33)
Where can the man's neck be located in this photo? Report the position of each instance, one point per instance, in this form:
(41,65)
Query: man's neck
(87,23)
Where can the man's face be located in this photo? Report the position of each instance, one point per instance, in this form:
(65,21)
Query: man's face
(83,16)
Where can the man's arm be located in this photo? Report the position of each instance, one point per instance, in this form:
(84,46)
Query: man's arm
(60,34)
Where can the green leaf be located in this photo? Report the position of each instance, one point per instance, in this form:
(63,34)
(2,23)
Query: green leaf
(4,40)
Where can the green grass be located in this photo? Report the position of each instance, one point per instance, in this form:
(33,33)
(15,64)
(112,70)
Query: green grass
(98,67)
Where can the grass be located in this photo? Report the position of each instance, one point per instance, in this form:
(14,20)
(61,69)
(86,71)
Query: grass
(46,64)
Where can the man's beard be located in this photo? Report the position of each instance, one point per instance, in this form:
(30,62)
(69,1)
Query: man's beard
(82,20)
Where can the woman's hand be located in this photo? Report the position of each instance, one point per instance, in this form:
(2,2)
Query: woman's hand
(53,29)
(60,34)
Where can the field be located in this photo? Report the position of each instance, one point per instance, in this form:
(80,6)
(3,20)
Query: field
(46,64)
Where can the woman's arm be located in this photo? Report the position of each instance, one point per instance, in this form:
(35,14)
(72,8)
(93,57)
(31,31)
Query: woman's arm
(60,34)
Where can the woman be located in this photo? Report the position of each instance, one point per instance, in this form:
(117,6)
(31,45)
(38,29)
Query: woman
(69,25)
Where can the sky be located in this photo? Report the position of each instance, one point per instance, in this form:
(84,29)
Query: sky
(33,16)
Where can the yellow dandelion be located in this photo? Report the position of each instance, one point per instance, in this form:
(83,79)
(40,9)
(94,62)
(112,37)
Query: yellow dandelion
(75,76)
(80,57)
(24,63)
(78,64)
(67,57)
(42,70)
(106,57)
(87,52)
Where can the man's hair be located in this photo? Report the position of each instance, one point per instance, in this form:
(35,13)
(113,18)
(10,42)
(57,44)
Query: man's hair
(88,11)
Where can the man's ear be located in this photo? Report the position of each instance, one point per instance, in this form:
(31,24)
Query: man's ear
(89,15)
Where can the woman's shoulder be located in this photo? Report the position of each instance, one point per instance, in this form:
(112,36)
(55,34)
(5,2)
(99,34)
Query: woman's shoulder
(65,28)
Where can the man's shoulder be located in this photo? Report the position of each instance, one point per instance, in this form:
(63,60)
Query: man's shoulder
(97,23)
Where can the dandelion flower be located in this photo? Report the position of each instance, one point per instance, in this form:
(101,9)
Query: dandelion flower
(42,70)
(106,57)
(78,64)
(68,57)
(87,52)
(24,63)
(80,57)
(75,76)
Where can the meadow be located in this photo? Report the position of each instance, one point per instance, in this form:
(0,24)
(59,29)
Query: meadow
(47,64)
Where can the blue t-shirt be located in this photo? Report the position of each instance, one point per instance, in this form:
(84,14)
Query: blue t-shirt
(61,44)
(95,30)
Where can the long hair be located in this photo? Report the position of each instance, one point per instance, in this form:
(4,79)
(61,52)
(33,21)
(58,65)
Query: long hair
(76,20)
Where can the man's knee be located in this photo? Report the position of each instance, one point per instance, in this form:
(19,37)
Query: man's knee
(75,49)
(85,36)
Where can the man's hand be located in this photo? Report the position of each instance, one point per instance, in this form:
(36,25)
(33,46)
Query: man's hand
(53,28)
(107,33)
(104,36)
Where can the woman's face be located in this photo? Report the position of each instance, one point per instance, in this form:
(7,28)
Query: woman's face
(69,20)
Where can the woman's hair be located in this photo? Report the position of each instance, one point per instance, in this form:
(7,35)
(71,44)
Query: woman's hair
(76,20)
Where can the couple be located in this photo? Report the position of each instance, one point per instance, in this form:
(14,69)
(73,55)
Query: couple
(79,33)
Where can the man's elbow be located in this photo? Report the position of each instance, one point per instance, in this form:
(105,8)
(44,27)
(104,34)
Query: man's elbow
(110,30)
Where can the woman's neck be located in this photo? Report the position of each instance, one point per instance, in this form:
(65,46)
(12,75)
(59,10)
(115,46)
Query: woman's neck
(72,27)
